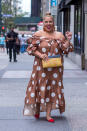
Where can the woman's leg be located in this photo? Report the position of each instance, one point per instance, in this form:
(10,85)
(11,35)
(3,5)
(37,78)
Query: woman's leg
(3,49)
(48,114)
(37,108)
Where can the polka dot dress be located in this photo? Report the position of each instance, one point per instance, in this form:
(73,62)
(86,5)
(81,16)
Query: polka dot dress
(45,84)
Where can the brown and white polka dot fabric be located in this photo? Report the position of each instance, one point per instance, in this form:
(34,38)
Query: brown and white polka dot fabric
(45,84)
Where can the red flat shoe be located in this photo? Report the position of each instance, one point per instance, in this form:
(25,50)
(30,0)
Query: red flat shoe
(51,120)
(37,116)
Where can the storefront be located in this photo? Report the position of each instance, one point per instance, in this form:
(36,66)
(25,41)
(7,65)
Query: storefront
(64,16)
(77,27)
(73,20)
(66,20)
(85,32)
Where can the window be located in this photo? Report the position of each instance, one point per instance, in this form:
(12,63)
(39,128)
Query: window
(67,20)
(77,29)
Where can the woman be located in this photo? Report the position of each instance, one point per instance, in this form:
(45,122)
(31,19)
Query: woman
(23,44)
(45,88)
(2,43)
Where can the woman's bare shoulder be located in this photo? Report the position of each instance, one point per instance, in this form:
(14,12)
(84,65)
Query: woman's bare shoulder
(38,33)
(59,35)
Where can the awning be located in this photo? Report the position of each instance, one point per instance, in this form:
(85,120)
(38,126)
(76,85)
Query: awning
(68,1)
(62,5)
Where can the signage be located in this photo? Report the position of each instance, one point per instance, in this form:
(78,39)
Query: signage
(53,3)
(7,15)
(53,7)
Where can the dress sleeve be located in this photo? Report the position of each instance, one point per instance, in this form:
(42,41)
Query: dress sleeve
(33,44)
(65,50)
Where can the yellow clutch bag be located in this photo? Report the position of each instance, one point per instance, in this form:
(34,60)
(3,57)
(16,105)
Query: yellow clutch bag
(53,61)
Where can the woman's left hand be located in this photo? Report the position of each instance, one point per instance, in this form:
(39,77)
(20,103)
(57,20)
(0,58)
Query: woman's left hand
(68,35)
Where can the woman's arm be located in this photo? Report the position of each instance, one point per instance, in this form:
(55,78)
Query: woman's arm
(40,55)
(66,39)
(36,52)
(65,44)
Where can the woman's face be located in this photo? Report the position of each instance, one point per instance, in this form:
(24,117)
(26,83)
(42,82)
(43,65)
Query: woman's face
(48,24)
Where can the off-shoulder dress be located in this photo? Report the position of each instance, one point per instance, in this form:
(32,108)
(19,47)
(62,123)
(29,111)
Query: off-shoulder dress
(45,84)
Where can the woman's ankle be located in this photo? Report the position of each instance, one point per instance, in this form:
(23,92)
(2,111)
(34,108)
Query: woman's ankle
(37,108)
(49,117)
(37,112)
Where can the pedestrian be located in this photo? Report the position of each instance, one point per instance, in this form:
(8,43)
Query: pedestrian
(23,44)
(45,88)
(2,43)
(18,45)
(11,37)
(7,44)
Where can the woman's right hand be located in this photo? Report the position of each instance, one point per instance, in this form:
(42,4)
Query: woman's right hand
(44,57)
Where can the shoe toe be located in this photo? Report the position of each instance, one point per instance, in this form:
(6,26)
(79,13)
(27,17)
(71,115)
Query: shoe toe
(51,120)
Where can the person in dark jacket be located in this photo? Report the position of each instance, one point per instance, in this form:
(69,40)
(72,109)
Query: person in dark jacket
(7,44)
(11,37)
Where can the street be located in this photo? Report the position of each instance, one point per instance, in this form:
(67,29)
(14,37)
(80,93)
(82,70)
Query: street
(14,78)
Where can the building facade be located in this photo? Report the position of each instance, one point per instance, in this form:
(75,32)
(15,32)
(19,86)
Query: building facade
(44,7)
(35,8)
(50,6)
(72,16)
(85,32)
(27,23)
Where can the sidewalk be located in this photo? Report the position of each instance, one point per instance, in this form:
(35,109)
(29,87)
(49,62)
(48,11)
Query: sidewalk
(68,64)
(70,68)
(3,60)
(14,78)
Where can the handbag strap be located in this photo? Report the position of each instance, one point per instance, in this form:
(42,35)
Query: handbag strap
(55,56)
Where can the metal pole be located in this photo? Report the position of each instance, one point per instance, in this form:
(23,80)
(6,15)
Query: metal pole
(49,6)
(0,18)
(82,38)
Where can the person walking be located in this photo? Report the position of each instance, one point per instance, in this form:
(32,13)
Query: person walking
(7,44)
(23,44)
(18,45)
(2,43)
(45,88)
(11,37)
